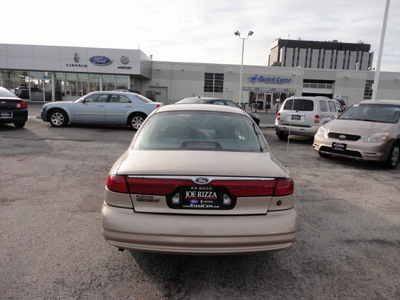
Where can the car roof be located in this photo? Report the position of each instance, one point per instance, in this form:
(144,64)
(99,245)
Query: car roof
(201,107)
(392,102)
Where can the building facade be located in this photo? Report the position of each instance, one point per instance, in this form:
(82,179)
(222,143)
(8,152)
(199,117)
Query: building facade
(52,73)
(321,55)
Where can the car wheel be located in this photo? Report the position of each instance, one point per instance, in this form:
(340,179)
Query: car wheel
(324,155)
(282,135)
(136,120)
(394,156)
(58,118)
(19,124)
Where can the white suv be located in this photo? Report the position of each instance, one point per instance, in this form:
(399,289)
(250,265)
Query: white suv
(304,115)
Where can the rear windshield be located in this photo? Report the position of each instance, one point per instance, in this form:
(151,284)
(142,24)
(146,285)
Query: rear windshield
(299,105)
(194,130)
(384,113)
(6,93)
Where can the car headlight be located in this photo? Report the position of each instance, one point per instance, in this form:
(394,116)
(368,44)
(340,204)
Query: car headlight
(377,137)
(321,131)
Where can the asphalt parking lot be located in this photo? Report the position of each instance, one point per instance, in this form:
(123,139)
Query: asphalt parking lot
(52,183)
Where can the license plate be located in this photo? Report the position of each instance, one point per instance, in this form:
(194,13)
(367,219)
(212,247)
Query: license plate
(201,197)
(6,114)
(296,117)
(338,146)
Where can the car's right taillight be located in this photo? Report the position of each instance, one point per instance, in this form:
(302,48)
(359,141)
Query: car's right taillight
(284,187)
(21,105)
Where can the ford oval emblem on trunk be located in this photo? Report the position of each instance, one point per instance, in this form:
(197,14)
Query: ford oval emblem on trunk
(100,60)
(202,180)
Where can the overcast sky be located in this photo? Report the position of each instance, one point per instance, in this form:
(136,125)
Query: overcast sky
(201,31)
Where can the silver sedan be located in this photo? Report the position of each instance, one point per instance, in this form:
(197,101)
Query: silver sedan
(110,108)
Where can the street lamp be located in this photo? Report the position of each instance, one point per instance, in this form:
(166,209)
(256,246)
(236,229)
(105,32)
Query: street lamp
(237,33)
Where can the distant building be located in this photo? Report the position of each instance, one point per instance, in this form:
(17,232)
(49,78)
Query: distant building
(321,55)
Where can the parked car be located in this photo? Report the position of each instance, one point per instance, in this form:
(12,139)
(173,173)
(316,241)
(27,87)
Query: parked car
(36,93)
(369,130)
(113,108)
(199,179)
(12,109)
(209,100)
(304,115)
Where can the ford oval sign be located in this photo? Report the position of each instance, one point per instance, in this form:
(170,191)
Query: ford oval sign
(202,180)
(100,60)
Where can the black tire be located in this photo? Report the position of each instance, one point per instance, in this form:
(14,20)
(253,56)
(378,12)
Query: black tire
(324,155)
(394,156)
(282,135)
(136,120)
(19,124)
(58,118)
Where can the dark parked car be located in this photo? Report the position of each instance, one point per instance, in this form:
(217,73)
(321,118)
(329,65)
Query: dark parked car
(12,109)
(36,93)
(207,100)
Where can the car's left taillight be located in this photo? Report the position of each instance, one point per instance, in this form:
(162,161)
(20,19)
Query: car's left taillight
(117,183)
(21,105)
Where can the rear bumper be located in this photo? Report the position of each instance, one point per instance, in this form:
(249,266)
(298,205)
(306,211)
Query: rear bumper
(17,116)
(296,130)
(194,234)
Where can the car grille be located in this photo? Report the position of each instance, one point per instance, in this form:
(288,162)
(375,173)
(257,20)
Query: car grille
(346,152)
(344,137)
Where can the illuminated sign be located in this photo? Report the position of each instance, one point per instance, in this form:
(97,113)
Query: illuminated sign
(269,79)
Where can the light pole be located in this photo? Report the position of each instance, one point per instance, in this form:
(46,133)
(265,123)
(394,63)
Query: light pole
(237,33)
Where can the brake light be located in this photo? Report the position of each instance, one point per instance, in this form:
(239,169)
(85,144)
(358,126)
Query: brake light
(239,188)
(316,121)
(158,105)
(117,183)
(278,116)
(284,187)
(155,186)
(21,105)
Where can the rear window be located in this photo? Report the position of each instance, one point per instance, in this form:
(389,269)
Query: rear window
(202,131)
(6,93)
(299,105)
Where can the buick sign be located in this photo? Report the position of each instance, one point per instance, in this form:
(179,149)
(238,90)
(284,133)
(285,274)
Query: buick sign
(100,60)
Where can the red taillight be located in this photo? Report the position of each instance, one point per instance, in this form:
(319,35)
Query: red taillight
(284,187)
(155,186)
(316,121)
(317,116)
(21,105)
(278,116)
(117,183)
(238,188)
(158,105)
(242,188)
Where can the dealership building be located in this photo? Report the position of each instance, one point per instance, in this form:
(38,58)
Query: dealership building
(55,73)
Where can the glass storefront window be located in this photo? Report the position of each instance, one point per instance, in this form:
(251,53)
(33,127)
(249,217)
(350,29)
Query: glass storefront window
(7,79)
(59,86)
(108,82)
(122,81)
(36,86)
(83,84)
(71,88)
(94,81)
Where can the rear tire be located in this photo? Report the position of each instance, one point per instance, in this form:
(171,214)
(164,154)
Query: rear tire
(58,118)
(19,124)
(282,135)
(394,156)
(136,120)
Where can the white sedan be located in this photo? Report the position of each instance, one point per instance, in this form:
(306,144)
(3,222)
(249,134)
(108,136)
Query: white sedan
(108,108)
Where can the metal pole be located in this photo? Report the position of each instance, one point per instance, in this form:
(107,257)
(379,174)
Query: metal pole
(378,65)
(241,75)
